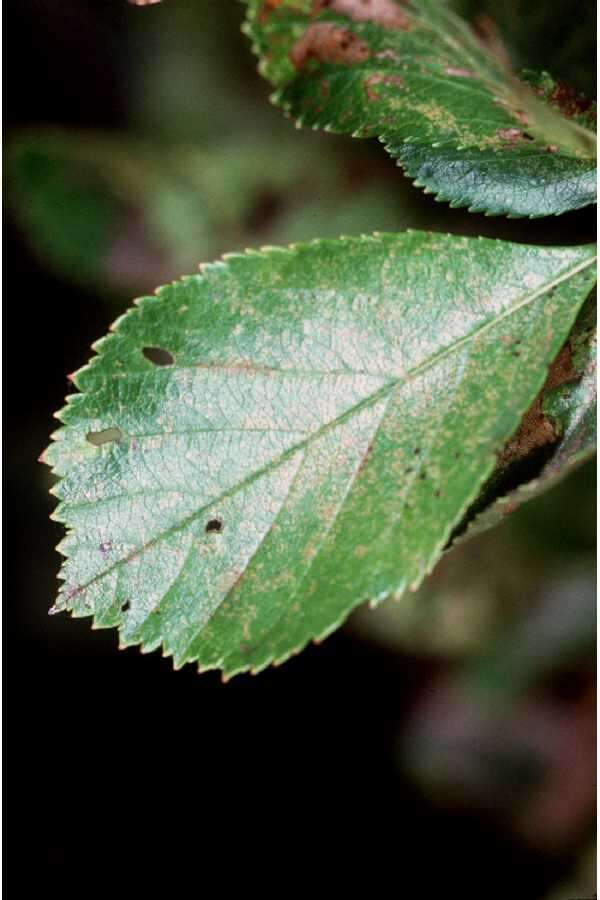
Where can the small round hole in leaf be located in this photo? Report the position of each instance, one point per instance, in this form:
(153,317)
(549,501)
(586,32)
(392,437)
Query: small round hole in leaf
(158,356)
(214,525)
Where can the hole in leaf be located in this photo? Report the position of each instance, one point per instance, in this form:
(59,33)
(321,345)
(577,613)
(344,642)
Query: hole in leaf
(125,606)
(158,356)
(97,438)
(214,525)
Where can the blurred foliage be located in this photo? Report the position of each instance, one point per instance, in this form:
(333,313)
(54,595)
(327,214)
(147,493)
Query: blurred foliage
(559,37)
(131,215)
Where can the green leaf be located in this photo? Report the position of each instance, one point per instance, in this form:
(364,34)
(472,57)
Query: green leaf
(415,76)
(259,448)
(564,415)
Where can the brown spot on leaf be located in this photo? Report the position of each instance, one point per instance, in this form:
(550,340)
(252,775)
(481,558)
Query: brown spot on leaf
(383,12)
(363,461)
(391,80)
(105,549)
(459,73)
(387,54)
(213,525)
(536,429)
(326,42)
(510,134)
(266,9)
(568,101)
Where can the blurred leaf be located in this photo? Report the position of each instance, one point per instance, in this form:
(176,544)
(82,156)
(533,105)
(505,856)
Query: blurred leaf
(260,448)
(417,78)
(130,214)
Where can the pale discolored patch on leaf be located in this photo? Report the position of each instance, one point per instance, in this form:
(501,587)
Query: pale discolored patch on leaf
(416,77)
(329,414)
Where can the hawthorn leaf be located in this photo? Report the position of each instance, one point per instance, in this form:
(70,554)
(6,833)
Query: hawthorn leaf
(415,76)
(257,449)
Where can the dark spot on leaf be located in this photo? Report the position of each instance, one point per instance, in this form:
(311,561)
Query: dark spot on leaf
(365,457)
(105,548)
(125,606)
(97,438)
(438,493)
(417,451)
(158,356)
(214,525)
(422,476)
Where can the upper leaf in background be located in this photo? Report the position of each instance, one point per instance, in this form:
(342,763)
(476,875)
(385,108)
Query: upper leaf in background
(260,448)
(415,76)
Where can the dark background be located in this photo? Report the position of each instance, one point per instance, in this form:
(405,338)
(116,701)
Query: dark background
(120,764)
